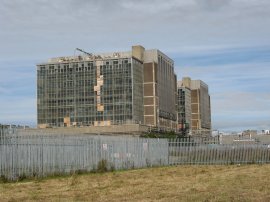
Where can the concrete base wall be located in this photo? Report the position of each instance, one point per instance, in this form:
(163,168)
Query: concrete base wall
(132,129)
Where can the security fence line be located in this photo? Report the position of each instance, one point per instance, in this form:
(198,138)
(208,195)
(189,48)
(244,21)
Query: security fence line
(59,154)
(43,155)
(183,152)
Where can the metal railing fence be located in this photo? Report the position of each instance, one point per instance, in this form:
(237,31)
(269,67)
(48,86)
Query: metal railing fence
(209,152)
(59,154)
(42,155)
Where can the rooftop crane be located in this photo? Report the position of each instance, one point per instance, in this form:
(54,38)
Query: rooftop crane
(78,49)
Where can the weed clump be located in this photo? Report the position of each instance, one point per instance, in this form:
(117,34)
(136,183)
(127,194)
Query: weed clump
(3,179)
(21,177)
(102,166)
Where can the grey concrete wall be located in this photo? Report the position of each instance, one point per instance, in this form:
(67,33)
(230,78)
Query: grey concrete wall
(114,129)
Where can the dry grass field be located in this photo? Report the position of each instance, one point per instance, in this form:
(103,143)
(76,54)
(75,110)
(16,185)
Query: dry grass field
(181,183)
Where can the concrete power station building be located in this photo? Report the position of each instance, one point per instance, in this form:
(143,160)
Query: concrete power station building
(194,107)
(134,87)
(184,105)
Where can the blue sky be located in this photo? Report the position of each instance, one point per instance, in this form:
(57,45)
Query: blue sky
(225,43)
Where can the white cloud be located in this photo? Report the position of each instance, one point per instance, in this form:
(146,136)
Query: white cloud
(241,102)
(32,31)
(211,5)
(18,110)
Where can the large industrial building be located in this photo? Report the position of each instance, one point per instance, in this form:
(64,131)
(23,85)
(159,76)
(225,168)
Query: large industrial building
(184,105)
(133,87)
(193,95)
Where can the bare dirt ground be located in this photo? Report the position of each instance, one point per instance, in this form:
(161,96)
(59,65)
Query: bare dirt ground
(181,183)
